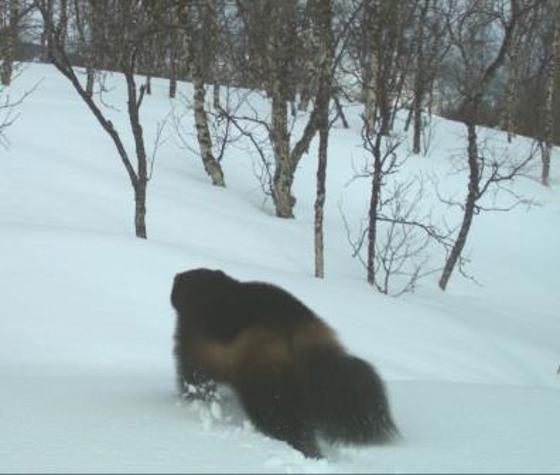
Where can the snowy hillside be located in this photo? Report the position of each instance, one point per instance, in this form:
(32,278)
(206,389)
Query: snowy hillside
(87,376)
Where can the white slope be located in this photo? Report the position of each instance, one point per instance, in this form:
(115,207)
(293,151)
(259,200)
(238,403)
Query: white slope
(87,378)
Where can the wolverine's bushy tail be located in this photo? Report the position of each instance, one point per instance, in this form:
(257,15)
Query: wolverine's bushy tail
(347,399)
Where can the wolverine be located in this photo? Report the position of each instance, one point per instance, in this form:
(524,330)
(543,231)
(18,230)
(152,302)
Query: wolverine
(292,376)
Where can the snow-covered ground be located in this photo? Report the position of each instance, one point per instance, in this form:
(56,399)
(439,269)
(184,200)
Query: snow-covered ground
(86,371)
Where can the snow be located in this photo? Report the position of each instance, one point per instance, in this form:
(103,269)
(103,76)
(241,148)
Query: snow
(86,324)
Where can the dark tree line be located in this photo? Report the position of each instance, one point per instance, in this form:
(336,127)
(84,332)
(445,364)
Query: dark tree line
(482,62)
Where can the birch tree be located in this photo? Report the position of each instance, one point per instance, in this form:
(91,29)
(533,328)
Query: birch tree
(428,49)
(269,30)
(476,69)
(128,25)
(386,63)
(200,20)
(553,69)
(324,33)
(9,19)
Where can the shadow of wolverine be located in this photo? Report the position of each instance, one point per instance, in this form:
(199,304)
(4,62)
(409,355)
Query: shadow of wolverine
(292,376)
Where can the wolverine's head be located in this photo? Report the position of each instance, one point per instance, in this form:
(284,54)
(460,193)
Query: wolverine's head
(196,284)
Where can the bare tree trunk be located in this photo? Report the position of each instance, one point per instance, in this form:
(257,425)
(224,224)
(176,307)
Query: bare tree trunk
(549,109)
(216,96)
(509,119)
(174,37)
(322,103)
(9,46)
(142,170)
(45,31)
(284,170)
(373,208)
(308,63)
(140,209)
(211,165)
(172,69)
(286,160)
(546,153)
(283,173)
(87,44)
(370,106)
(470,107)
(472,196)
(383,24)
(90,80)
(320,201)
(63,23)
(195,58)
(139,178)
(91,49)
(419,80)
(148,84)
(273,49)
(417,123)
(373,21)
(215,38)
(340,111)
(384,106)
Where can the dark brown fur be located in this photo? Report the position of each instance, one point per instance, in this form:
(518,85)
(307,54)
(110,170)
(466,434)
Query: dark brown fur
(293,377)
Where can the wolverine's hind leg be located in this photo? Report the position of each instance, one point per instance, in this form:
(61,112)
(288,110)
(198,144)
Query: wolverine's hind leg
(275,405)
